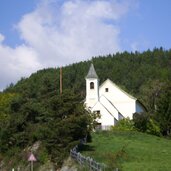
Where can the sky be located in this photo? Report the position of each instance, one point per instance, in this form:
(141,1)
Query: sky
(37,34)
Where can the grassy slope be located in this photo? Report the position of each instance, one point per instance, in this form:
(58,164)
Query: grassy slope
(143,152)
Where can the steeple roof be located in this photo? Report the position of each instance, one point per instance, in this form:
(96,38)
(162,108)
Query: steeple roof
(92,72)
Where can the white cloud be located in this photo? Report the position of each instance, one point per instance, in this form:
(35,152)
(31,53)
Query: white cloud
(14,63)
(74,31)
(59,34)
(1,38)
(140,44)
(135,46)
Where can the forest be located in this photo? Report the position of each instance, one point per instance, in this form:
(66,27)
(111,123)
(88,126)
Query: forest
(33,110)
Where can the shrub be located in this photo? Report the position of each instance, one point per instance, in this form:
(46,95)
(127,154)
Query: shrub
(124,125)
(153,128)
(140,121)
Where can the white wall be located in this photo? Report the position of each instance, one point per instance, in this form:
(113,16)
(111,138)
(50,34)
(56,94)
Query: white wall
(121,100)
(106,117)
(114,93)
(126,108)
(104,101)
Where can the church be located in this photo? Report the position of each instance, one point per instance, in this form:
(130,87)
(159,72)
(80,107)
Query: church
(109,100)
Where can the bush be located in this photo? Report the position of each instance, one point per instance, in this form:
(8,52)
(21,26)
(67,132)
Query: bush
(140,121)
(144,122)
(153,128)
(124,125)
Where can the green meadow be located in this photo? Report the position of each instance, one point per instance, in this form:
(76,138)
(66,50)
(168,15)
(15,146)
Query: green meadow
(130,151)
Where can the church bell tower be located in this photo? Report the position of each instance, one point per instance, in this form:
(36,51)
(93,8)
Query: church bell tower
(92,87)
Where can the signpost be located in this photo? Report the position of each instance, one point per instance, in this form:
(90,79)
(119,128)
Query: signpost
(32,159)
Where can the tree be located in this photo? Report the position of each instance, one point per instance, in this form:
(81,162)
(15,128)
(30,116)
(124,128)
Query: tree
(150,93)
(67,123)
(163,111)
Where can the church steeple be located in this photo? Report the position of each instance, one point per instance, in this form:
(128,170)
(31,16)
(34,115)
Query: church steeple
(92,72)
(92,87)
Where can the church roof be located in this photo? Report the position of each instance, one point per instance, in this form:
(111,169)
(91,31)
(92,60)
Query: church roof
(92,72)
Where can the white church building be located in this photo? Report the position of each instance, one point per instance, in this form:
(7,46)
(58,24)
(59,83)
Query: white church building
(109,100)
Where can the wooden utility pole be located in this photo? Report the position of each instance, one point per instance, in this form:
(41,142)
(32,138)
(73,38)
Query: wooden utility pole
(55,81)
(60,80)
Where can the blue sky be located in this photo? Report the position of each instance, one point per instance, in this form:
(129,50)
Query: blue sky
(37,34)
(10,14)
(149,25)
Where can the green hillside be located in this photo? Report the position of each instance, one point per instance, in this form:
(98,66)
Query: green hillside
(33,110)
(130,151)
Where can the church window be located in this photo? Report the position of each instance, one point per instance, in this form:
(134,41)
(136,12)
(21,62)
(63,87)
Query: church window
(91,85)
(98,111)
(106,89)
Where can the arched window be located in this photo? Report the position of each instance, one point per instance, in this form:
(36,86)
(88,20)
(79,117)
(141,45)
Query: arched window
(91,85)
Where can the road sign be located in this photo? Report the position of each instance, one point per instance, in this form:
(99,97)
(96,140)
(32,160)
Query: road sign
(32,157)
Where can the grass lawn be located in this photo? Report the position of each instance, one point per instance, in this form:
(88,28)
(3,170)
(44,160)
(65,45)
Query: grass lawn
(130,151)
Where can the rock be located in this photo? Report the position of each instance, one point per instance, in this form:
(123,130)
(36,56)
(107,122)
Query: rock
(69,165)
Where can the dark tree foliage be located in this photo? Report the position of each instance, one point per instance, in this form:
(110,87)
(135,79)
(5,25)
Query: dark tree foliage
(131,71)
(158,98)
(163,110)
(65,124)
(59,122)
(140,121)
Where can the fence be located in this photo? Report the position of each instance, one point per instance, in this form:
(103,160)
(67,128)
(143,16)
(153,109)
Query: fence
(87,161)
